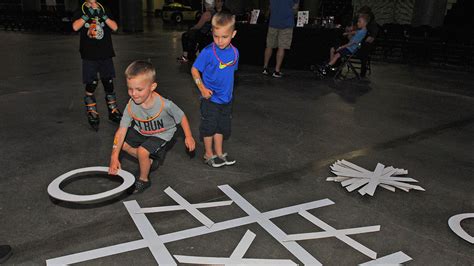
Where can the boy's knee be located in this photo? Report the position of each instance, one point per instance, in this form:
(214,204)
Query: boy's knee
(142,151)
(108,84)
(90,87)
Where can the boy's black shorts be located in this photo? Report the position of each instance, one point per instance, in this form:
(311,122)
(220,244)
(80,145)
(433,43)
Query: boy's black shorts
(215,119)
(154,145)
(90,68)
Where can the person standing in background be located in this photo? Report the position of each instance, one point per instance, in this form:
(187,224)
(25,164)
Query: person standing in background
(280,32)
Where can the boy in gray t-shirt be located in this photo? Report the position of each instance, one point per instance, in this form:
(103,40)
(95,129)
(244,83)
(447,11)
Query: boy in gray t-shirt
(148,123)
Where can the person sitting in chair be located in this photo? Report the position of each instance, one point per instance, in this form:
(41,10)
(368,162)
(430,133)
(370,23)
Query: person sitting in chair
(348,49)
(368,45)
(199,32)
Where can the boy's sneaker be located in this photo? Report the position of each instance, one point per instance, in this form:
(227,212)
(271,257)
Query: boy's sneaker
(140,186)
(182,59)
(214,161)
(277,74)
(265,71)
(323,70)
(227,159)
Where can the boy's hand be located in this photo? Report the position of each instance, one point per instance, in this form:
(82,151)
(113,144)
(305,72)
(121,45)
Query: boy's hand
(206,93)
(190,143)
(114,166)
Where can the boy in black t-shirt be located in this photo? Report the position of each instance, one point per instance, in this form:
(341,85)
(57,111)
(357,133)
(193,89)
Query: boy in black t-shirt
(95,26)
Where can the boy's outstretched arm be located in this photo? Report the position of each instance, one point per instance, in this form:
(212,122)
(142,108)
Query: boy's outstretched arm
(188,135)
(116,148)
(205,92)
(78,23)
(111,23)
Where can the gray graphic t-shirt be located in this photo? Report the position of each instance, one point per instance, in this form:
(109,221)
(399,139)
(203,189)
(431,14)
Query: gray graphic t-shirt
(163,126)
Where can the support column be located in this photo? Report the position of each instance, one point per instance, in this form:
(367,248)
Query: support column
(131,15)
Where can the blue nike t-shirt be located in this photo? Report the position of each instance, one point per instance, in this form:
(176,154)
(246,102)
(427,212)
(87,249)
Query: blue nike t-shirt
(218,76)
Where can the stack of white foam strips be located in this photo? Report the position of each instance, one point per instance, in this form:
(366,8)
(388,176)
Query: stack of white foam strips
(354,177)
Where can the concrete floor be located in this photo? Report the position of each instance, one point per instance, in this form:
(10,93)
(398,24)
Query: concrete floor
(286,133)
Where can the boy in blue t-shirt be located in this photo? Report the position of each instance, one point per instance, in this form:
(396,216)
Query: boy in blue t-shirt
(351,47)
(213,73)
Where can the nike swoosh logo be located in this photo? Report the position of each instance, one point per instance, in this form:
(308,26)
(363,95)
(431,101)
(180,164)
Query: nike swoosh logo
(222,66)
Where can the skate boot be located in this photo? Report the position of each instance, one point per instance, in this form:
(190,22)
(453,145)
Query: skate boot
(114,113)
(91,111)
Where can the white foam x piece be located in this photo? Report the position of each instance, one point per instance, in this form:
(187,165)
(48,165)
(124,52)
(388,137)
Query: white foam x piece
(394,259)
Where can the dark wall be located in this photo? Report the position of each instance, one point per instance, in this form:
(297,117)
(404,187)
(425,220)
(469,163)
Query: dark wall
(429,12)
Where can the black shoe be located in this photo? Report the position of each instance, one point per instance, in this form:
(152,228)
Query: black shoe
(182,59)
(324,69)
(227,159)
(140,186)
(277,74)
(114,113)
(265,71)
(214,161)
(91,111)
(5,253)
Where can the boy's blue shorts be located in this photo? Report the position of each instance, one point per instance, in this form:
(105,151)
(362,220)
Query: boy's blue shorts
(215,119)
(90,68)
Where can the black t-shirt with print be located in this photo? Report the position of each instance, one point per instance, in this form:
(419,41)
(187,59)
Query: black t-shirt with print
(95,48)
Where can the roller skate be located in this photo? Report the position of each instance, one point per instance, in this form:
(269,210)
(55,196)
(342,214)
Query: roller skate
(91,111)
(114,113)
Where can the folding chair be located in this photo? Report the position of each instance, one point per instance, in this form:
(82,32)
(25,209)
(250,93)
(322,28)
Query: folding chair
(353,63)
(346,61)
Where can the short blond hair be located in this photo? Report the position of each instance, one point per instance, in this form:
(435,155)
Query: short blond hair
(141,67)
(223,19)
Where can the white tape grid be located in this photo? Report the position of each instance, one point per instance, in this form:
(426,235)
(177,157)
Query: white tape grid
(188,207)
(394,259)
(330,231)
(294,248)
(156,242)
(156,246)
(179,207)
(236,258)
